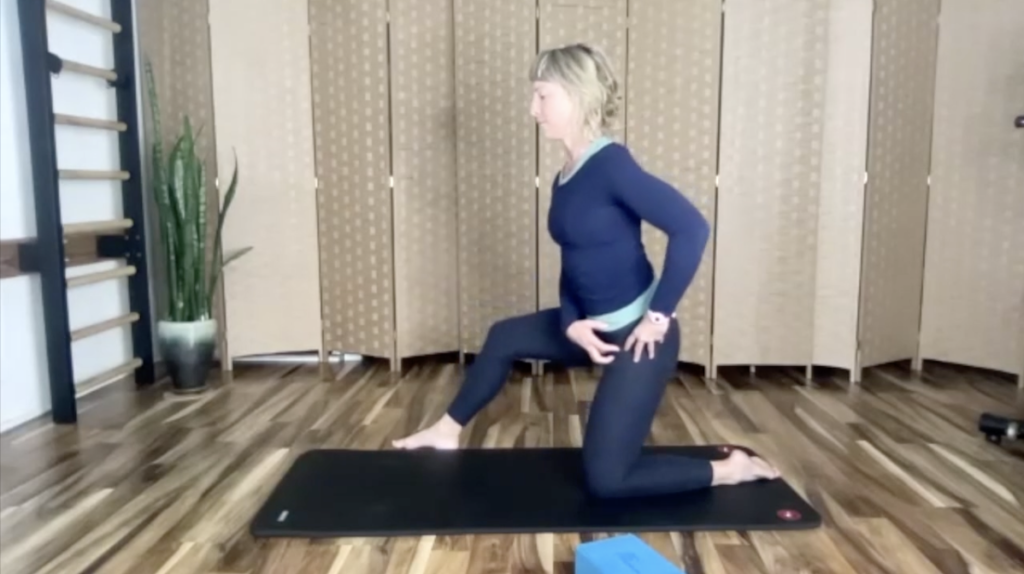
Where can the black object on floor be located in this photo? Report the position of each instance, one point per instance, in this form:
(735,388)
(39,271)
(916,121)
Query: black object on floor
(338,493)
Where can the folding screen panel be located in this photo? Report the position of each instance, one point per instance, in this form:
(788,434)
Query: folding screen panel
(261,91)
(672,129)
(603,24)
(973,307)
(349,55)
(840,213)
(773,102)
(902,90)
(175,39)
(423,156)
(420,222)
(495,40)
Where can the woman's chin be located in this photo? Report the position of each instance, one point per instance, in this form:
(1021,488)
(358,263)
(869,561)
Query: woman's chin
(549,134)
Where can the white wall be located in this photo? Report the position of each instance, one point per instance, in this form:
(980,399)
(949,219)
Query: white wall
(24,386)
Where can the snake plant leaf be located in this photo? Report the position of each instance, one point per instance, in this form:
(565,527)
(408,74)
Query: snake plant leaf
(235,255)
(218,243)
(184,302)
(206,308)
(179,187)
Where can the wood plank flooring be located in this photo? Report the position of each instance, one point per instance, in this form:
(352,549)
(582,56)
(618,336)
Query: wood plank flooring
(149,483)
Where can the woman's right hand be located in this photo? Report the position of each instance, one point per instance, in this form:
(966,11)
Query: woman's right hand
(582,333)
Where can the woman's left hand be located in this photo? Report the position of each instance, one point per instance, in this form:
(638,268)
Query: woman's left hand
(645,336)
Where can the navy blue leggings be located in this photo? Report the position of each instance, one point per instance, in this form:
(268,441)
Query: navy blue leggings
(624,406)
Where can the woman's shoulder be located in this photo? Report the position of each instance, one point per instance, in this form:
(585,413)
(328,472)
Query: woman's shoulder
(618,160)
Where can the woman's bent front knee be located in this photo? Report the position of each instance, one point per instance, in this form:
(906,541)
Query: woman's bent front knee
(501,338)
(517,337)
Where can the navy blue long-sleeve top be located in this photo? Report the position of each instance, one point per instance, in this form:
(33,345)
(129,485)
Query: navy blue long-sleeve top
(595,218)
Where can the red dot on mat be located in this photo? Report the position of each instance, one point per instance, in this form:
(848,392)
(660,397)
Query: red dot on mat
(789,515)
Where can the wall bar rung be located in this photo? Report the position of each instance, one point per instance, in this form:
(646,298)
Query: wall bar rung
(84,16)
(106,377)
(97,226)
(89,279)
(89,331)
(80,121)
(119,175)
(88,70)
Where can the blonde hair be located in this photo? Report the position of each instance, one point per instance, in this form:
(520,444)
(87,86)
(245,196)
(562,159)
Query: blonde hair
(586,74)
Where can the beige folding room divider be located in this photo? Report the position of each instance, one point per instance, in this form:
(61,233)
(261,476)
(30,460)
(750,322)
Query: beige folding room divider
(351,124)
(496,155)
(424,197)
(826,124)
(774,71)
(385,125)
(856,159)
(899,135)
(261,93)
(671,127)
(973,302)
(840,208)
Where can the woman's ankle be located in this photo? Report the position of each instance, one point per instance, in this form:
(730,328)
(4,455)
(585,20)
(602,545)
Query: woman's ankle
(448,425)
(728,470)
(722,472)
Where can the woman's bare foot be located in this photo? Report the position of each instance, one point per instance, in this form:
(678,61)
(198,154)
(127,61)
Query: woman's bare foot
(442,435)
(741,467)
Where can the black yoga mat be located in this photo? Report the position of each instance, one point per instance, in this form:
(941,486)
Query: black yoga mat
(337,493)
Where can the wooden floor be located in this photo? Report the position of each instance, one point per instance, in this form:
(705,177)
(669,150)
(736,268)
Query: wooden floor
(148,483)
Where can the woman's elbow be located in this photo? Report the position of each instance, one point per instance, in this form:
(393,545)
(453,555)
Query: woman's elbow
(701,232)
(695,235)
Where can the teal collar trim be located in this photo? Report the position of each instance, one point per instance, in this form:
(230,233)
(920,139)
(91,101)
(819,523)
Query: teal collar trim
(594,147)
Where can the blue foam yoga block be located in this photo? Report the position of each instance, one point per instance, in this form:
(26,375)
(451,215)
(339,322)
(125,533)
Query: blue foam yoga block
(626,554)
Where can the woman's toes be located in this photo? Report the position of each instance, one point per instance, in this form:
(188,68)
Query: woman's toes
(764,470)
(408,442)
(428,438)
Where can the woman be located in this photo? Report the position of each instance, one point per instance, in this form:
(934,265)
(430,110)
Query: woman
(613,310)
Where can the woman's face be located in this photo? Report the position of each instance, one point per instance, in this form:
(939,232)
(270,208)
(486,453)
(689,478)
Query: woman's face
(553,110)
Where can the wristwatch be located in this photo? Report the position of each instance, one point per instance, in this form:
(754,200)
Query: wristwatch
(658,318)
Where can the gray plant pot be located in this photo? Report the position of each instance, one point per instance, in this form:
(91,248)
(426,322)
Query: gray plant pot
(187,349)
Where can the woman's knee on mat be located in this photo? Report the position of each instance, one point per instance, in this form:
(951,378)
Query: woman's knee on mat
(604,470)
(604,480)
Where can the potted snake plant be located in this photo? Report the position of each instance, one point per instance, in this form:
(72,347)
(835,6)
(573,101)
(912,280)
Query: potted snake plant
(186,328)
